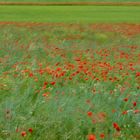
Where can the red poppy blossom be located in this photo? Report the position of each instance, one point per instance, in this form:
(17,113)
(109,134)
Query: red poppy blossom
(45,94)
(124,112)
(45,83)
(102,136)
(116,126)
(30,130)
(52,83)
(91,137)
(125,99)
(134,104)
(136,111)
(31,75)
(89,113)
(137,74)
(23,134)
(58,69)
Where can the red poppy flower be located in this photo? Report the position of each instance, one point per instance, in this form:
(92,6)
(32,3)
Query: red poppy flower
(23,133)
(89,113)
(91,137)
(52,83)
(116,126)
(134,104)
(102,136)
(30,130)
(136,111)
(125,99)
(45,83)
(137,74)
(31,75)
(124,112)
(58,69)
(45,94)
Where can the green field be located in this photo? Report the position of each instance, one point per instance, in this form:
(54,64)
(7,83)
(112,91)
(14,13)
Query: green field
(69,72)
(70,0)
(71,14)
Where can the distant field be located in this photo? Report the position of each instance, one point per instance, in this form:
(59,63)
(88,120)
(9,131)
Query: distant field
(69,0)
(71,14)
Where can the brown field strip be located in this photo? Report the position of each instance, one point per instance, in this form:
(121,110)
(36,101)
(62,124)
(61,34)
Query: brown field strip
(72,3)
(126,29)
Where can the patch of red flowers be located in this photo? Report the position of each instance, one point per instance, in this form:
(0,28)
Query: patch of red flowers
(116,126)
(24,133)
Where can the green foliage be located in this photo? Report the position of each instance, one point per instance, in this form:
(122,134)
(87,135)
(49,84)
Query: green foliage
(71,14)
(69,0)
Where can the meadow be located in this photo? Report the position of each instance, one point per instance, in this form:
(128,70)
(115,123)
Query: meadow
(69,72)
(61,84)
(69,1)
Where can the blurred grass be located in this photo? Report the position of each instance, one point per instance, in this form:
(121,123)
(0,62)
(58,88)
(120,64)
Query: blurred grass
(71,14)
(69,1)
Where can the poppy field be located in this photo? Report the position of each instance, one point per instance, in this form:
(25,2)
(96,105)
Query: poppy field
(63,81)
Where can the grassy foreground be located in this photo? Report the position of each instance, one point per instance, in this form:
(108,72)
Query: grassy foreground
(69,82)
(69,1)
(84,14)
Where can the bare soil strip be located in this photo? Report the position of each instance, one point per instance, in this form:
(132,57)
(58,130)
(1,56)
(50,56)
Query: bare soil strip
(72,3)
(126,29)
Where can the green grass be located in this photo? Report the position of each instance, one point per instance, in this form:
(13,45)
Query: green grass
(69,0)
(72,14)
